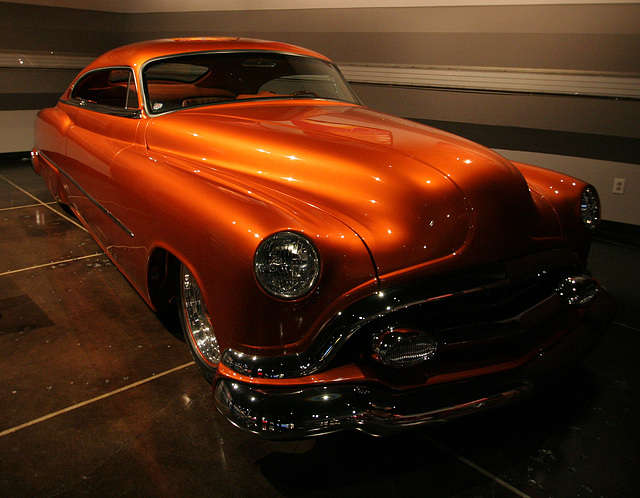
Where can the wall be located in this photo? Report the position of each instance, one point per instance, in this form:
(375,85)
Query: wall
(60,41)
(590,47)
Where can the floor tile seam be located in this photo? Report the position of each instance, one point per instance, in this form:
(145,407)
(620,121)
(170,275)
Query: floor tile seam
(624,325)
(52,263)
(43,203)
(476,467)
(82,404)
(13,208)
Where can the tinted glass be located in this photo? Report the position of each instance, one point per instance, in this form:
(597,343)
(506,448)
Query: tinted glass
(210,78)
(108,87)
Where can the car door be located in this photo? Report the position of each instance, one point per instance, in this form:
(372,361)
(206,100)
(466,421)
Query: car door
(106,122)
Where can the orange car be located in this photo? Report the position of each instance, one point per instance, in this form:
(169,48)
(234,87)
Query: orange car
(333,267)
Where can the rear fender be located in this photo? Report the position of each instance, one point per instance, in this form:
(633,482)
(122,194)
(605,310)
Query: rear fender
(50,136)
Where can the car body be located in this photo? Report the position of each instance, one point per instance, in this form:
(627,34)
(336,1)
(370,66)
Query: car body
(333,267)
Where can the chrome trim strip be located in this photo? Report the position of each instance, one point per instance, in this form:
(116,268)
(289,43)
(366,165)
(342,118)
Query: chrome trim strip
(314,360)
(121,225)
(343,326)
(350,320)
(103,109)
(293,411)
(317,410)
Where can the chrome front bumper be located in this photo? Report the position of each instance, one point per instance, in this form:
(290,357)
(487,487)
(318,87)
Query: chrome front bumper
(317,410)
(272,409)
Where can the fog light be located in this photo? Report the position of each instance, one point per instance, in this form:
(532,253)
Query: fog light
(578,291)
(403,347)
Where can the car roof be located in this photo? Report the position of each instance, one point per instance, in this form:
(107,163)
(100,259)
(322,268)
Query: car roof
(136,54)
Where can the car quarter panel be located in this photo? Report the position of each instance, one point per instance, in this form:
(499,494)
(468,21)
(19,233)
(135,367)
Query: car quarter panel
(50,130)
(93,142)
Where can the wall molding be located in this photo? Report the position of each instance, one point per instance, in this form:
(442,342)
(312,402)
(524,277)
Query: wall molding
(146,6)
(501,80)
(43,60)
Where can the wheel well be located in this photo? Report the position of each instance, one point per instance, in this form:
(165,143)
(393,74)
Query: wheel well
(163,279)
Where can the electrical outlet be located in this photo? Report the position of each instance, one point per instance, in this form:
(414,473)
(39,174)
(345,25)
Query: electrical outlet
(618,185)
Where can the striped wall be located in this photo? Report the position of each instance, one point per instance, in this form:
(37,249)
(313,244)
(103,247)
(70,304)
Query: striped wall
(557,79)
(34,32)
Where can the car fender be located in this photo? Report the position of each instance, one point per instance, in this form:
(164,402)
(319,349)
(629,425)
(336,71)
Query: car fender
(213,224)
(50,145)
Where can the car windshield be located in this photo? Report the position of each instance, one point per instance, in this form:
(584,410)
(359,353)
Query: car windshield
(208,78)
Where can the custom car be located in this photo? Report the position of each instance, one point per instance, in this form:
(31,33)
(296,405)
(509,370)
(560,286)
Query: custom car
(332,267)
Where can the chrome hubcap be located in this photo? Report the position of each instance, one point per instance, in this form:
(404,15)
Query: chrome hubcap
(196,320)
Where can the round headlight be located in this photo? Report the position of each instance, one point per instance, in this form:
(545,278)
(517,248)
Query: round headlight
(287,265)
(590,208)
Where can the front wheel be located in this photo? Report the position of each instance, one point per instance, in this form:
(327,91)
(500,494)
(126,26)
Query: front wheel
(196,325)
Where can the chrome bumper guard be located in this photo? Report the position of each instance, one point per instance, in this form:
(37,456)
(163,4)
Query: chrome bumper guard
(281,413)
(285,412)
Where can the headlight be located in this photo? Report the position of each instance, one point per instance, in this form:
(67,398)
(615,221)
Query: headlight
(590,208)
(287,265)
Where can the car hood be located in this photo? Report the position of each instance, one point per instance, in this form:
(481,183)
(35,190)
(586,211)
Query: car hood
(413,194)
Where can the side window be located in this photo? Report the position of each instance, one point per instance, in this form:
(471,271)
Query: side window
(108,87)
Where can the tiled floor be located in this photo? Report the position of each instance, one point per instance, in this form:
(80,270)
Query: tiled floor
(98,398)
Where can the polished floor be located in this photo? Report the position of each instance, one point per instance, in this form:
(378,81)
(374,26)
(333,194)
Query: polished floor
(98,398)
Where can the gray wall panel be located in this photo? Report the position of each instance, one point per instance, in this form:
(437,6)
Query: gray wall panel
(31,27)
(576,37)
(35,80)
(579,115)
(605,18)
(583,52)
